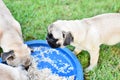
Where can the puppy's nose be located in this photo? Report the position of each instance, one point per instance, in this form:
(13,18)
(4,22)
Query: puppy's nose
(53,44)
(50,39)
(26,67)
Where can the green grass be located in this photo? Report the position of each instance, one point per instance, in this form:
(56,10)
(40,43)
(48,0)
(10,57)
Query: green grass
(35,15)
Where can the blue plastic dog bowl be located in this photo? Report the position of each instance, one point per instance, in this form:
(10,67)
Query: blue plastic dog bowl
(61,61)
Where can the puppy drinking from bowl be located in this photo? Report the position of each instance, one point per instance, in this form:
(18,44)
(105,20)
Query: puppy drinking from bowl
(15,52)
(86,34)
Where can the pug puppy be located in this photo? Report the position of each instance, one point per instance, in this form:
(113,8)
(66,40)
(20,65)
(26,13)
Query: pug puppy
(11,39)
(12,73)
(86,34)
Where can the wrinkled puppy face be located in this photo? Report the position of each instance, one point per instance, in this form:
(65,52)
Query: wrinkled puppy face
(57,37)
(52,41)
(17,57)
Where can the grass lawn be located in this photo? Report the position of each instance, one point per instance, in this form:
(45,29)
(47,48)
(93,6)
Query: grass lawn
(35,15)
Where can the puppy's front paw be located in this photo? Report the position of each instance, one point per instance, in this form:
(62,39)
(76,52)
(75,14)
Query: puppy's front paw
(89,68)
(76,51)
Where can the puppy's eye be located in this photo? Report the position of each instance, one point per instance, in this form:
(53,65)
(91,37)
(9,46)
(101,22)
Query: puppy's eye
(63,35)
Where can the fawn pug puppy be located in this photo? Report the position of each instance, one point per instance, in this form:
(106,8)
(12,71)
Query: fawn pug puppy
(86,34)
(12,73)
(11,41)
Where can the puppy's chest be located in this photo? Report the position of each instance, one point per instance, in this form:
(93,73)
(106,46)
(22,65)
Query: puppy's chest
(81,45)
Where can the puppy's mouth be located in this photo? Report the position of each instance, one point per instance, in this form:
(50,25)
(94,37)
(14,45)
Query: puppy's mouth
(52,43)
(26,67)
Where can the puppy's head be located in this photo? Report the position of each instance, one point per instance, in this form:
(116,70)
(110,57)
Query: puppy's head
(57,37)
(17,57)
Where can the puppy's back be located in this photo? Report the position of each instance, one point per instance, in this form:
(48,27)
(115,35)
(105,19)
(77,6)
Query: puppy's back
(108,27)
(108,19)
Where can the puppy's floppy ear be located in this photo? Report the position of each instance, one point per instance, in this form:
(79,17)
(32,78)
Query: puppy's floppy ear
(8,56)
(68,38)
